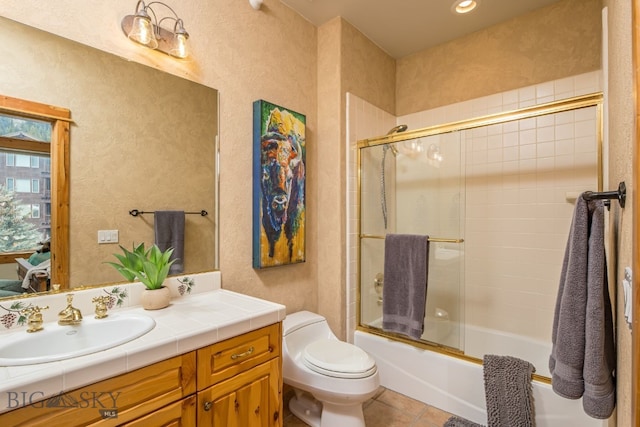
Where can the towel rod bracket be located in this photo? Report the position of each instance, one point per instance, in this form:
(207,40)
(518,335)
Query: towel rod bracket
(620,195)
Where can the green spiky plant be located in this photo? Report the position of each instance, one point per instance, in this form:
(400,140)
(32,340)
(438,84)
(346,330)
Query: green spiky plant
(149,266)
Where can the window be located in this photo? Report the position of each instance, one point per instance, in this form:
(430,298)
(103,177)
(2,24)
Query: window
(30,133)
(23,161)
(23,186)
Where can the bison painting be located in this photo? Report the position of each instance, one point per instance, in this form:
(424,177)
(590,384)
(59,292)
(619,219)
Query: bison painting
(279,186)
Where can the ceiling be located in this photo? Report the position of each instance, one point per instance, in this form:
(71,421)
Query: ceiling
(403,27)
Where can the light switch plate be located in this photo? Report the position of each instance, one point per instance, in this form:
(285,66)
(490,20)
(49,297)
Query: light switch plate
(107,236)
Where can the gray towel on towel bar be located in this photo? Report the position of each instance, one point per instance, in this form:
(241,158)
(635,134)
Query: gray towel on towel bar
(582,360)
(508,392)
(169,233)
(406,260)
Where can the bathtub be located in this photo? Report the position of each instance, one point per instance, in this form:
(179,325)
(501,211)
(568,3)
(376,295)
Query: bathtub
(457,386)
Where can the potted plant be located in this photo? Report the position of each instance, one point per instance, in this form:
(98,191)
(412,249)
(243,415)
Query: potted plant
(150,267)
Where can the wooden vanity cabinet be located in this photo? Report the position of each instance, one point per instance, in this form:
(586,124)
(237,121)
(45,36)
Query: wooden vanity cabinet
(236,382)
(240,381)
(114,401)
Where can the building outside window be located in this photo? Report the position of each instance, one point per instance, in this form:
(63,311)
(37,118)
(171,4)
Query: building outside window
(25,146)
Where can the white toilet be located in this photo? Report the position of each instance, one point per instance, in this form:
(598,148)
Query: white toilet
(331,378)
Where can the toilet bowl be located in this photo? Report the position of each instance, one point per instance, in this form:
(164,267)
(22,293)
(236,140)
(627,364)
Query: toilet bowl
(331,378)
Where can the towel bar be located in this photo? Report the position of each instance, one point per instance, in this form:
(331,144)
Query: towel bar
(431,239)
(620,194)
(136,212)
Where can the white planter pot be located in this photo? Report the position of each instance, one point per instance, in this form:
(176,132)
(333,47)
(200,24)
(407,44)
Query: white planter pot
(155,299)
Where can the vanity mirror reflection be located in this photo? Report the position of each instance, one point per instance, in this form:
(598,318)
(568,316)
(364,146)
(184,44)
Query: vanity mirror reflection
(139,138)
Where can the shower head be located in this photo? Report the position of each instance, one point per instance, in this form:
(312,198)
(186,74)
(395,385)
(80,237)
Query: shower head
(397,129)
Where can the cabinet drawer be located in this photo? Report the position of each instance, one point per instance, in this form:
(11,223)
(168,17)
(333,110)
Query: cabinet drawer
(225,359)
(114,401)
(179,414)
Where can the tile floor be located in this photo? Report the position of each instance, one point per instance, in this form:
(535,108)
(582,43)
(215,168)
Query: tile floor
(386,409)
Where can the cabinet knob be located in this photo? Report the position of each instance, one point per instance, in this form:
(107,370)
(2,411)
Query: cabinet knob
(207,406)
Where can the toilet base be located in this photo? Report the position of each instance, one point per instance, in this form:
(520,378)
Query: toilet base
(318,414)
(306,408)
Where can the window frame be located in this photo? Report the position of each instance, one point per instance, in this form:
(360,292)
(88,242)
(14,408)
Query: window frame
(58,149)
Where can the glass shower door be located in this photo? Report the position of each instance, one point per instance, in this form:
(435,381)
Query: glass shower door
(418,186)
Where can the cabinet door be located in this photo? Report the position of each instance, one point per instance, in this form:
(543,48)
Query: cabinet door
(178,414)
(250,399)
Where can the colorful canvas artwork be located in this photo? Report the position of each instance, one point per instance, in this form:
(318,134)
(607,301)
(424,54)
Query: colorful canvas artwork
(279,156)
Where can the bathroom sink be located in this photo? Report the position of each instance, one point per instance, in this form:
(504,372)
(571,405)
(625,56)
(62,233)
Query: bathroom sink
(57,342)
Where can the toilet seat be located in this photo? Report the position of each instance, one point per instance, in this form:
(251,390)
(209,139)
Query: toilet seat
(338,359)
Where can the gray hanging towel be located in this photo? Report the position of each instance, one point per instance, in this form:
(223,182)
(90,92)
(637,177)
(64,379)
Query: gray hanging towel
(508,391)
(169,233)
(582,358)
(406,260)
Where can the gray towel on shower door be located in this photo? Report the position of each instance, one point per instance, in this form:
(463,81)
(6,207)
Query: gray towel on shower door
(582,360)
(406,258)
(169,233)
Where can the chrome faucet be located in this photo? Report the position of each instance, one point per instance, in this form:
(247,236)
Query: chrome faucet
(70,315)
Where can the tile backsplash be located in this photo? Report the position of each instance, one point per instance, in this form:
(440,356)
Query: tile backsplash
(123,295)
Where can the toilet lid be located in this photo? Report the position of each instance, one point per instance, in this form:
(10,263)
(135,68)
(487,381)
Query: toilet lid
(338,359)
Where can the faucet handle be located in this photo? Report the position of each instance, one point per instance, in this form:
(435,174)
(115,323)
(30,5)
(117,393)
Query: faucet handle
(34,317)
(33,309)
(101,306)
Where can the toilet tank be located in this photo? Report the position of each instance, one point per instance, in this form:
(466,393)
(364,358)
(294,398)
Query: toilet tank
(302,328)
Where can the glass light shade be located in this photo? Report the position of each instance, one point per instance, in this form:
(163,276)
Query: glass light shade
(142,31)
(179,47)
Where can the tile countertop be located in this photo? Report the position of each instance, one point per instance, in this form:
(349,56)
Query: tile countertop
(191,322)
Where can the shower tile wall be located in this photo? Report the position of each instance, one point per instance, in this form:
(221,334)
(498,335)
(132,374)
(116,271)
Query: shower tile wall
(515,172)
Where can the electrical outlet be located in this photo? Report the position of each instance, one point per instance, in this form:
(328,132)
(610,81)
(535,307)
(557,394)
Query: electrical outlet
(107,236)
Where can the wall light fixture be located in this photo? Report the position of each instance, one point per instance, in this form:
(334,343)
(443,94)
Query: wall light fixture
(145,28)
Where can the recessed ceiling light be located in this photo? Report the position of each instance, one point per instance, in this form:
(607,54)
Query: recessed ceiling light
(464,6)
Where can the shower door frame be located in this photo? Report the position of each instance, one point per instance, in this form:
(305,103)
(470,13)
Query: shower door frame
(574,103)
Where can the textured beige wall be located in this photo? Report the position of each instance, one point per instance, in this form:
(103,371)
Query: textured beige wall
(367,71)
(247,55)
(347,62)
(121,158)
(621,118)
(330,175)
(553,42)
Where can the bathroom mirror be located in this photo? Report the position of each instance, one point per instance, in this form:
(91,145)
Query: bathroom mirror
(140,139)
